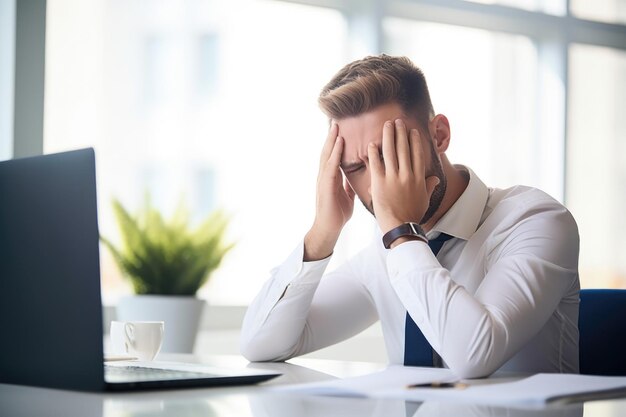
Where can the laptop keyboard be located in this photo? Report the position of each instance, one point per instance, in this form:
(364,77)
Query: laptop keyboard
(139,373)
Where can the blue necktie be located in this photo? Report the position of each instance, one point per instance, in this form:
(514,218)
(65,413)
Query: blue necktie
(417,350)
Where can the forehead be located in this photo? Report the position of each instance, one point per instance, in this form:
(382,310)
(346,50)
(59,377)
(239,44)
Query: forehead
(370,123)
(359,131)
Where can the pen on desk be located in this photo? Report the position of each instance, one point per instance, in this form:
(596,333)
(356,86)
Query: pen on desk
(457,385)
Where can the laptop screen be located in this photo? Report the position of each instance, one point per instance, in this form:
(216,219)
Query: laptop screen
(50,304)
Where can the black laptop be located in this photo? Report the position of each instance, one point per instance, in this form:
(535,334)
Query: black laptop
(50,302)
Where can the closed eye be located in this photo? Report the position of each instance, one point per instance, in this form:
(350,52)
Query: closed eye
(352,168)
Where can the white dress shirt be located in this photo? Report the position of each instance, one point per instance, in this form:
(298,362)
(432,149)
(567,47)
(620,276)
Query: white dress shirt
(502,295)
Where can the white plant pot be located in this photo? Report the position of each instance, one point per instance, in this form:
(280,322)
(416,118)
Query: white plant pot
(181,315)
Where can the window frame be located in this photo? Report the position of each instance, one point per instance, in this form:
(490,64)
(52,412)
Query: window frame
(552,34)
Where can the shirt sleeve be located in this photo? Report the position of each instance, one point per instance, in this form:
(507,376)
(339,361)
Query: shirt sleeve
(528,270)
(300,310)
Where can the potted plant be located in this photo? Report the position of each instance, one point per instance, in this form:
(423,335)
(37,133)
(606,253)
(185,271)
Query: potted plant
(167,262)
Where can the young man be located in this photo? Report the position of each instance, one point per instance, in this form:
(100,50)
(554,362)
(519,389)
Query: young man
(468,277)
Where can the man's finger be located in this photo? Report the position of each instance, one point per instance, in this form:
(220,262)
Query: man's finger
(417,154)
(335,156)
(389,147)
(402,147)
(329,144)
(376,166)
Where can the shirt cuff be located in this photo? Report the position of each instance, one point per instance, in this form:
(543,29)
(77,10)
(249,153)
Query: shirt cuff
(410,256)
(297,272)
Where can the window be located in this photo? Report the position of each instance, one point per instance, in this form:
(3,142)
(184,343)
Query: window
(7,54)
(596,171)
(610,11)
(216,102)
(547,6)
(201,101)
(486,84)
(205,71)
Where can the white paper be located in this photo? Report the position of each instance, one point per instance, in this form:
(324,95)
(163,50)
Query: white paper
(536,390)
(371,384)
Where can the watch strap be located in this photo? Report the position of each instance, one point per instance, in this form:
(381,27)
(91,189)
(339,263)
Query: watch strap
(405,229)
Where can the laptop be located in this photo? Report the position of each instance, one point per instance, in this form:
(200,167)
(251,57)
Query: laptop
(51,322)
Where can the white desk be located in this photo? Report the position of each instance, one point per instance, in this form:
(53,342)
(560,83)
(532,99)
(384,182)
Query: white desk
(258,401)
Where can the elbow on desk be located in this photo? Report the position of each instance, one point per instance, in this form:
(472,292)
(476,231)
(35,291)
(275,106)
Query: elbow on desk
(483,353)
(472,370)
(254,355)
(253,352)
(471,365)
(249,350)
(474,363)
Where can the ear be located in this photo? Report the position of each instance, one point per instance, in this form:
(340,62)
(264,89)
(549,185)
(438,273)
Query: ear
(440,132)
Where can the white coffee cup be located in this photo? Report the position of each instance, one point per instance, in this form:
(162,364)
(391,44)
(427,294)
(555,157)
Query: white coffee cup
(141,339)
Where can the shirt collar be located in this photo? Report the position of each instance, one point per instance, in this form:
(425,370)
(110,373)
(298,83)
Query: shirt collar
(463,218)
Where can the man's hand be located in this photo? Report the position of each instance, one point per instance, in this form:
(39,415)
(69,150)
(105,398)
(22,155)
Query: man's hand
(334,201)
(399,187)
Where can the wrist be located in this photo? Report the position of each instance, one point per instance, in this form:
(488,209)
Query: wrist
(405,239)
(389,223)
(404,231)
(318,245)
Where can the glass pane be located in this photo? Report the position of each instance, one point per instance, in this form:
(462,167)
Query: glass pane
(555,7)
(596,162)
(609,11)
(487,84)
(196,99)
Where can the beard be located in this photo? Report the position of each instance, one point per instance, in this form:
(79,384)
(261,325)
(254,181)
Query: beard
(440,189)
(438,193)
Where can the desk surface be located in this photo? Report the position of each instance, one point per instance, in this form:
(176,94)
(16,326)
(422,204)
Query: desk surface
(259,401)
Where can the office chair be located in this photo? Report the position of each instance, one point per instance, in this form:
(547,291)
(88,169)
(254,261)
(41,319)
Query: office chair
(602,327)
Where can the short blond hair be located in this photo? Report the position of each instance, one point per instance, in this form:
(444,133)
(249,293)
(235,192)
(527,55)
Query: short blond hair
(370,82)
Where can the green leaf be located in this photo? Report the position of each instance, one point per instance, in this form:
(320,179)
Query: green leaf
(168,257)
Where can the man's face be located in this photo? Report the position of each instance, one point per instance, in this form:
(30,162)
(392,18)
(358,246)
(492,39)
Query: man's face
(359,131)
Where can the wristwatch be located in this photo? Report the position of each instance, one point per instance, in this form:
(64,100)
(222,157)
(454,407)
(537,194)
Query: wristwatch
(405,229)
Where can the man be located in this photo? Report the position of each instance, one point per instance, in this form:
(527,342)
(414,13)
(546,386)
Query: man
(468,277)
